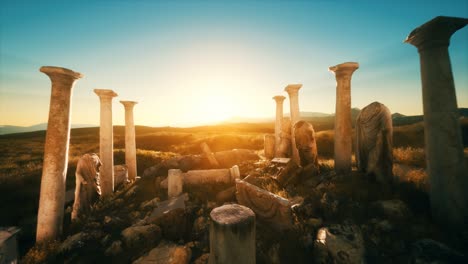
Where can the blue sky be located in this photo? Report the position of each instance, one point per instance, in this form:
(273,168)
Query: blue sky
(194,62)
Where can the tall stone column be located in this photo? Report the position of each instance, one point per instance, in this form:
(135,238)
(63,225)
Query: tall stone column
(130,144)
(293,92)
(343,126)
(54,170)
(106,141)
(446,166)
(278,123)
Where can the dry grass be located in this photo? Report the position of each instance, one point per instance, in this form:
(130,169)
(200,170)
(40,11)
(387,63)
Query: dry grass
(410,156)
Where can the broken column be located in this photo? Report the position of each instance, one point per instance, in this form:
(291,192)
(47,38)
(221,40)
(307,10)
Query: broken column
(278,123)
(374,142)
(446,166)
(269,146)
(268,206)
(343,126)
(293,92)
(175,183)
(232,235)
(285,142)
(130,144)
(306,146)
(54,171)
(209,155)
(201,177)
(106,141)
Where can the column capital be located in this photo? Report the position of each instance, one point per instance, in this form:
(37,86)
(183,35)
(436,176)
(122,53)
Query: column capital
(279,98)
(344,69)
(60,72)
(436,32)
(292,88)
(105,93)
(128,103)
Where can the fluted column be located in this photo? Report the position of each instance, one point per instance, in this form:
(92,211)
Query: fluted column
(54,170)
(446,166)
(130,144)
(106,141)
(293,92)
(278,123)
(343,126)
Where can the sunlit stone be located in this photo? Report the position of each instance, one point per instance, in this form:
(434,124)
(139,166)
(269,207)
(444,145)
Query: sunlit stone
(130,144)
(54,171)
(279,99)
(293,92)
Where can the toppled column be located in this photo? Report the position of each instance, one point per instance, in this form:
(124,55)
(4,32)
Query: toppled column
(446,165)
(374,142)
(175,183)
(209,155)
(267,206)
(201,177)
(130,144)
(106,141)
(54,171)
(293,92)
(279,99)
(87,188)
(343,126)
(269,146)
(232,235)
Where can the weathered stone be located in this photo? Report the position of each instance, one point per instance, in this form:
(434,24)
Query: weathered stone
(114,249)
(279,99)
(267,206)
(283,161)
(232,235)
(374,142)
(54,169)
(288,174)
(171,216)
(446,165)
(269,148)
(202,177)
(343,141)
(175,183)
(165,207)
(293,92)
(120,175)
(208,154)
(139,236)
(166,253)
(226,195)
(392,209)
(9,244)
(200,225)
(130,143)
(428,251)
(345,243)
(79,240)
(87,184)
(106,141)
(305,144)
(284,149)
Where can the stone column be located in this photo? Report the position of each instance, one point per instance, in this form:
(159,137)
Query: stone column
(130,145)
(269,146)
(175,183)
(54,170)
(278,123)
(106,141)
(343,126)
(446,166)
(293,92)
(232,235)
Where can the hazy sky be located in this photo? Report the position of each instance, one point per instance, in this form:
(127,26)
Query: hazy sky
(192,62)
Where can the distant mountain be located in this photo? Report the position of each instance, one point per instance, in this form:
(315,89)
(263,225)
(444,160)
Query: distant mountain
(6,129)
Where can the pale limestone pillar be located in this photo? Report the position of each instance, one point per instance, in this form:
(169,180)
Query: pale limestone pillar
(278,123)
(232,235)
(293,92)
(446,166)
(175,183)
(130,144)
(54,170)
(343,126)
(106,141)
(269,146)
